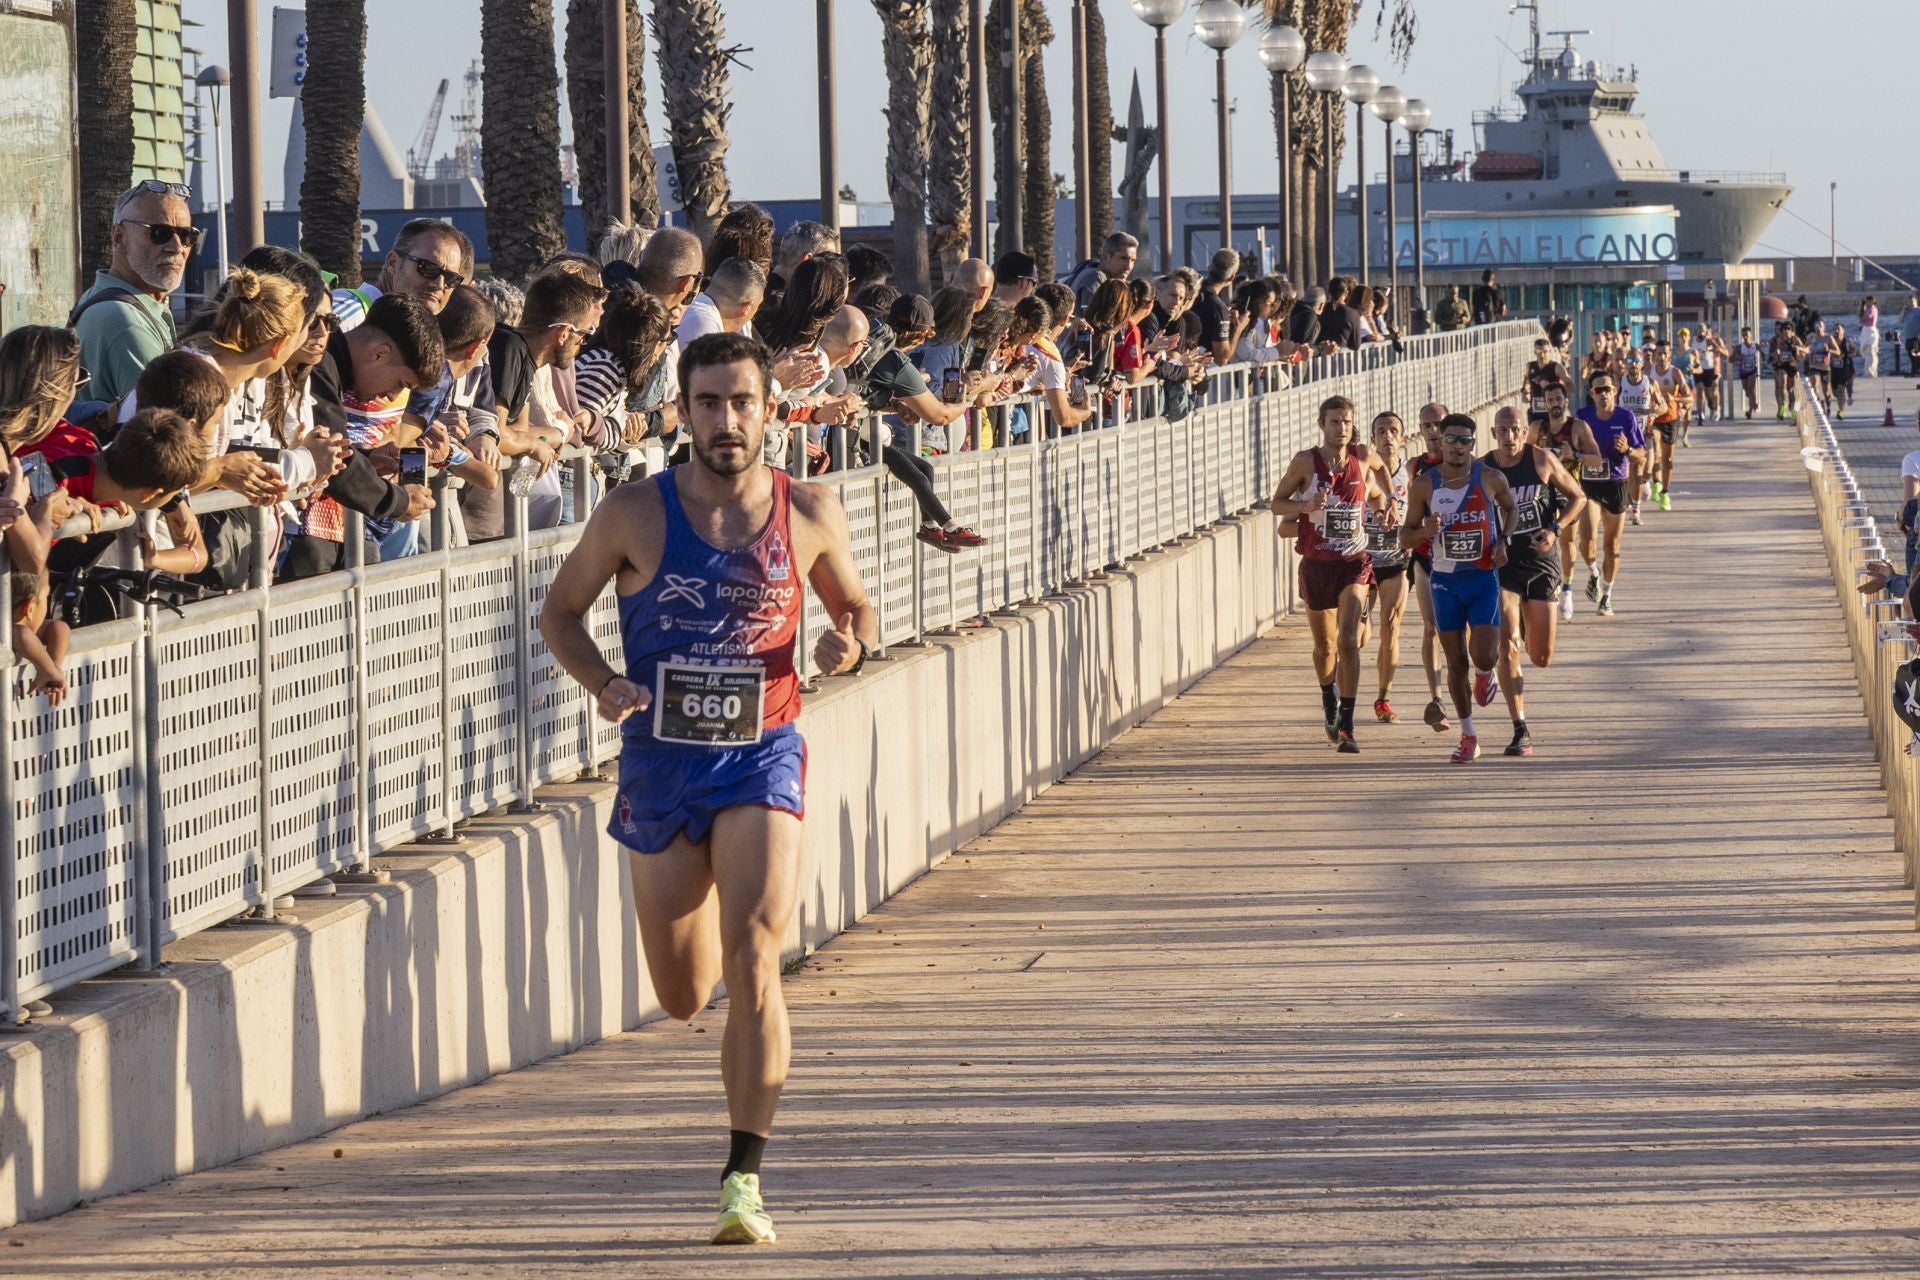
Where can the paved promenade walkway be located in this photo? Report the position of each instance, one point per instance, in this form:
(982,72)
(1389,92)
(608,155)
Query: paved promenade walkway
(1227,1004)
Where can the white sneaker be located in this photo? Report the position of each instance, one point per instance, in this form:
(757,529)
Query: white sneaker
(1566,604)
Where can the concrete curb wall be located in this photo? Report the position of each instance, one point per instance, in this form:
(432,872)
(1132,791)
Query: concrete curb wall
(517,944)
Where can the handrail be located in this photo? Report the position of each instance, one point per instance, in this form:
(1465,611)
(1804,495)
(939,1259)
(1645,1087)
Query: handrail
(1878,637)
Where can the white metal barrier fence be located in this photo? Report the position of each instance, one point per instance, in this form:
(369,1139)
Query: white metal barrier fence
(1876,626)
(205,766)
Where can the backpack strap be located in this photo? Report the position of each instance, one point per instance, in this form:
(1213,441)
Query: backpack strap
(115,294)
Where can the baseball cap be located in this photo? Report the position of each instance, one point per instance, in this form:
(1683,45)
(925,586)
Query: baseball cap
(910,312)
(1015,265)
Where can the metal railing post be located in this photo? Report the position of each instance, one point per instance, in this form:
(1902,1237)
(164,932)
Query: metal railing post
(522,657)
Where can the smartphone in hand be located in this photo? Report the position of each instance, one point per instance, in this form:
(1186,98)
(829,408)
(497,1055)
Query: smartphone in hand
(413,465)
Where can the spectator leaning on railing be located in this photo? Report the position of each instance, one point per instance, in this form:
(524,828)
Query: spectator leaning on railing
(359,388)
(732,294)
(555,322)
(39,376)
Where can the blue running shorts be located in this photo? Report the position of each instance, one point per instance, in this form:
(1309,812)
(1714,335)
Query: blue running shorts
(670,792)
(1466,598)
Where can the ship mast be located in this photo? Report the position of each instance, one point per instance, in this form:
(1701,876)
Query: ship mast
(1533,26)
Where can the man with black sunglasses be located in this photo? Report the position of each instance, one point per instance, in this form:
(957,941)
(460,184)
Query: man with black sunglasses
(123,320)
(429,260)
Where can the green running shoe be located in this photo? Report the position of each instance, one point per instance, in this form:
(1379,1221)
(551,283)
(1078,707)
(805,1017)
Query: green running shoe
(1666,500)
(743,1217)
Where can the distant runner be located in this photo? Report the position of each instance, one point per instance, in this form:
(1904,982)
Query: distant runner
(1746,362)
(1570,441)
(1545,497)
(1390,565)
(1420,575)
(1669,421)
(1461,507)
(1620,441)
(1329,488)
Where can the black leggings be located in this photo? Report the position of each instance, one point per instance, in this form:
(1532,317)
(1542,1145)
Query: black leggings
(917,474)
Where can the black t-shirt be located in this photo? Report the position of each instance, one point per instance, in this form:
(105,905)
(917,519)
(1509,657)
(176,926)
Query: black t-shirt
(511,363)
(1341,324)
(1303,325)
(1489,303)
(1216,326)
(1153,324)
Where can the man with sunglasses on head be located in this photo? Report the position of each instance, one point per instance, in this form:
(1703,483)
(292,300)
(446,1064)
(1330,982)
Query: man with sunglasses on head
(123,320)
(1621,443)
(429,259)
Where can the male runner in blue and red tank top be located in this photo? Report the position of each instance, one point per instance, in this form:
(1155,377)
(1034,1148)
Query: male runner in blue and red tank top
(1463,508)
(1324,496)
(707,560)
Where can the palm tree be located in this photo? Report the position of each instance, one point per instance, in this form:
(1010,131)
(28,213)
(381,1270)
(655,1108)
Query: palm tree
(1036,32)
(1315,158)
(108,31)
(586,99)
(907,48)
(1099,126)
(950,137)
(693,80)
(332,104)
(998,111)
(520,135)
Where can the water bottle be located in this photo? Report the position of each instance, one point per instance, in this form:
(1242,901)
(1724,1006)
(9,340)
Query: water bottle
(525,473)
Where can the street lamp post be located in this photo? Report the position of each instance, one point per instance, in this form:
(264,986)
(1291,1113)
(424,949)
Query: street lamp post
(1414,119)
(829,125)
(1220,24)
(213,79)
(1082,154)
(1360,88)
(614,75)
(1326,73)
(1390,104)
(1160,14)
(1282,50)
(982,130)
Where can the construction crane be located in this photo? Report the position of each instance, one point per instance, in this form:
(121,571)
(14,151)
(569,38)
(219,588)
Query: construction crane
(420,155)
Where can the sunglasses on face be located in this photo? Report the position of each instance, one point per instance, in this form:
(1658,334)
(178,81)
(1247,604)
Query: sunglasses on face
(1603,391)
(433,273)
(1463,441)
(165,233)
(323,322)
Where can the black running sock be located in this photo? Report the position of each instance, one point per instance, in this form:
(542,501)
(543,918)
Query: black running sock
(1346,714)
(1329,702)
(744,1157)
(1519,728)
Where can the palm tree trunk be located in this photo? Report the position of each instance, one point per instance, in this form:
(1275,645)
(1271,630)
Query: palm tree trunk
(106,31)
(998,110)
(1099,126)
(907,47)
(332,104)
(693,80)
(520,136)
(1035,34)
(950,135)
(586,100)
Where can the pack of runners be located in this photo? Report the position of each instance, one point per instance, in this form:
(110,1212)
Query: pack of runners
(1486,543)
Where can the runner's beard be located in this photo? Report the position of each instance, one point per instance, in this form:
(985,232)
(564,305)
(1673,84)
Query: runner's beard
(750,453)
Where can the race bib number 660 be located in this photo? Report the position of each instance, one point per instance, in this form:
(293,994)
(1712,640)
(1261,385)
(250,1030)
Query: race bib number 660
(708,706)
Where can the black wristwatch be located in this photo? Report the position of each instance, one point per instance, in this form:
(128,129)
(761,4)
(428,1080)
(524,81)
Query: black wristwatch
(861,661)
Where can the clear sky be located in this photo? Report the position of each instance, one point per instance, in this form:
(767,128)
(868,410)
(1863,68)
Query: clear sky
(1724,84)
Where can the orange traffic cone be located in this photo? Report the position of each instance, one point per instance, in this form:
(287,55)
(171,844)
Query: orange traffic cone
(1887,421)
